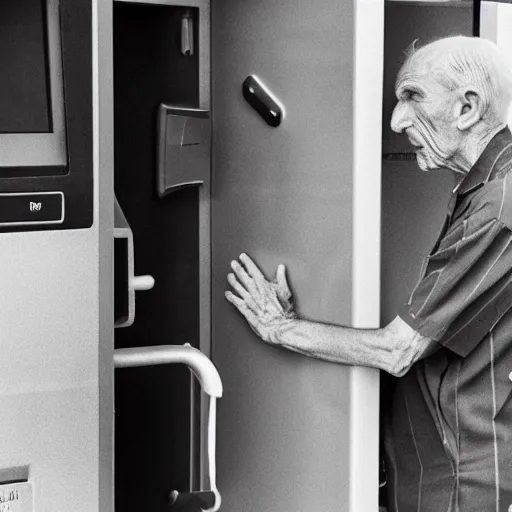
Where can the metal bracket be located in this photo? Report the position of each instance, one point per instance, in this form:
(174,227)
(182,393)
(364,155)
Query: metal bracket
(183,157)
(126,283)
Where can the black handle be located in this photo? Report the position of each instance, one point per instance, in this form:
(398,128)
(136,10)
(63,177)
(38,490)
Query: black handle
(191,501)
(262,101)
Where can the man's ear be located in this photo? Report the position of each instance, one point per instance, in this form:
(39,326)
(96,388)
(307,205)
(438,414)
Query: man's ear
(471,109)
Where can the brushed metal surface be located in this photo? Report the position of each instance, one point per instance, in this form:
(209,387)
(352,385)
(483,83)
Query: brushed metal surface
(49,380)
(104,197)
(283,196)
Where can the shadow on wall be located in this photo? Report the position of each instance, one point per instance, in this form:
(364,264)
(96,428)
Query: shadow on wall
(414,206)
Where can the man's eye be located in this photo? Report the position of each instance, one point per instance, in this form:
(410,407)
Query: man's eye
(412,95)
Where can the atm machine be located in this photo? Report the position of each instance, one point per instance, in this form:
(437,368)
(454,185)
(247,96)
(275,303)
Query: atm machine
(56,224)
(144,144)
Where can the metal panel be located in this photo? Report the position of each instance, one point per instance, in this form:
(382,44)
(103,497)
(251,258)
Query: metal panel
(103,158)
(49,379)
(283,195)
(54,314)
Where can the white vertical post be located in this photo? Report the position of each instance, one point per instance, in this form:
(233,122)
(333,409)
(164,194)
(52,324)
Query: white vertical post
(368,83)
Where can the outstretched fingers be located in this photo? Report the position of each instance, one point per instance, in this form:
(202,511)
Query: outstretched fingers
(242,276)
(252,268)
(242,292)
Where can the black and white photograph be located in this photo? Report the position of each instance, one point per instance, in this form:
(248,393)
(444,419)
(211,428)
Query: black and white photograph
(255,256)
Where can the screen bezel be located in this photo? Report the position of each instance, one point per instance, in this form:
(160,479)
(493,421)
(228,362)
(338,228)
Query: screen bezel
(22,150)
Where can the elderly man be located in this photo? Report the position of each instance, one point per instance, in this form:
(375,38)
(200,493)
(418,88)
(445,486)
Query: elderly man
(449,440)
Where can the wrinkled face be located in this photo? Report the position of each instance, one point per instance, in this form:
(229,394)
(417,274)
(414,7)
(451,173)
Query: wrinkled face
(427,112)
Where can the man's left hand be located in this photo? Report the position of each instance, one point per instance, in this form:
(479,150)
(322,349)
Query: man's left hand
(266,305)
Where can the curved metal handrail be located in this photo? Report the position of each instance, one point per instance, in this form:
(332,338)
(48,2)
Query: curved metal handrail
(199,363)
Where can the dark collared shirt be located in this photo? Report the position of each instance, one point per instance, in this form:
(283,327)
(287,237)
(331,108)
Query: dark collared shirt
(449,440)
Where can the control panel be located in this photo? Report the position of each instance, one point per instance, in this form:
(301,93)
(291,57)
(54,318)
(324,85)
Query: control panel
(24,209)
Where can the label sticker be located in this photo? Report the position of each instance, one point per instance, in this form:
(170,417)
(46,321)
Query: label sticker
(16,497)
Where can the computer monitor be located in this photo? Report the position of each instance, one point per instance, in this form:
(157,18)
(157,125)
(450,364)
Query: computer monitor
(32,108)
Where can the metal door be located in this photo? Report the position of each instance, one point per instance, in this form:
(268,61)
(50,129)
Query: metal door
(284,195)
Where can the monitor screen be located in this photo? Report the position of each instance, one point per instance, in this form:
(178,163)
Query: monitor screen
(24,91)
(32,106)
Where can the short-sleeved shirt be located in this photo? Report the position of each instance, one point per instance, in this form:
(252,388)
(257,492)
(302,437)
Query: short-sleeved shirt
(449,436)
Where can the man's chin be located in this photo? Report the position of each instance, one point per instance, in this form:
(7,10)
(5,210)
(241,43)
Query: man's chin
(424,164)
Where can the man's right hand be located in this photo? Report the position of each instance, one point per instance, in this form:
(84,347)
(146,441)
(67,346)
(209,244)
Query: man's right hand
(266,305)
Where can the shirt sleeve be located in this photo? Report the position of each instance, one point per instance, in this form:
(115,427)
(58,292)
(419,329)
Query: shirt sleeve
(466,287)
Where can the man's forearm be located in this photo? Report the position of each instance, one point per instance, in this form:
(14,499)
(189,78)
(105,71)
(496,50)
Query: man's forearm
(365,347)
(267,307)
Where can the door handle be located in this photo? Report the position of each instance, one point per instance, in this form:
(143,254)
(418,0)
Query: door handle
(209,378)
(183,148)
(262,101)
(142,283)
(198,363)
(125,282)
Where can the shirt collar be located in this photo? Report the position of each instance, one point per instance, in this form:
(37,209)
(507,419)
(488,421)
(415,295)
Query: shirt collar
(487,162)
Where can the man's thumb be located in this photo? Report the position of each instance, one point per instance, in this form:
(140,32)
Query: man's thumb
(282,285)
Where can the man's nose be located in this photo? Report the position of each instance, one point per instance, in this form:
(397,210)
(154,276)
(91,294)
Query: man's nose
(401,118)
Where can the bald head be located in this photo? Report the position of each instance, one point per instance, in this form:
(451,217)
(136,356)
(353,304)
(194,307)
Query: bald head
(453,97)
(467,62)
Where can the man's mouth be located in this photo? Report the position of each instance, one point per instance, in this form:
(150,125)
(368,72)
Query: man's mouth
(413,141)
(415,144)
